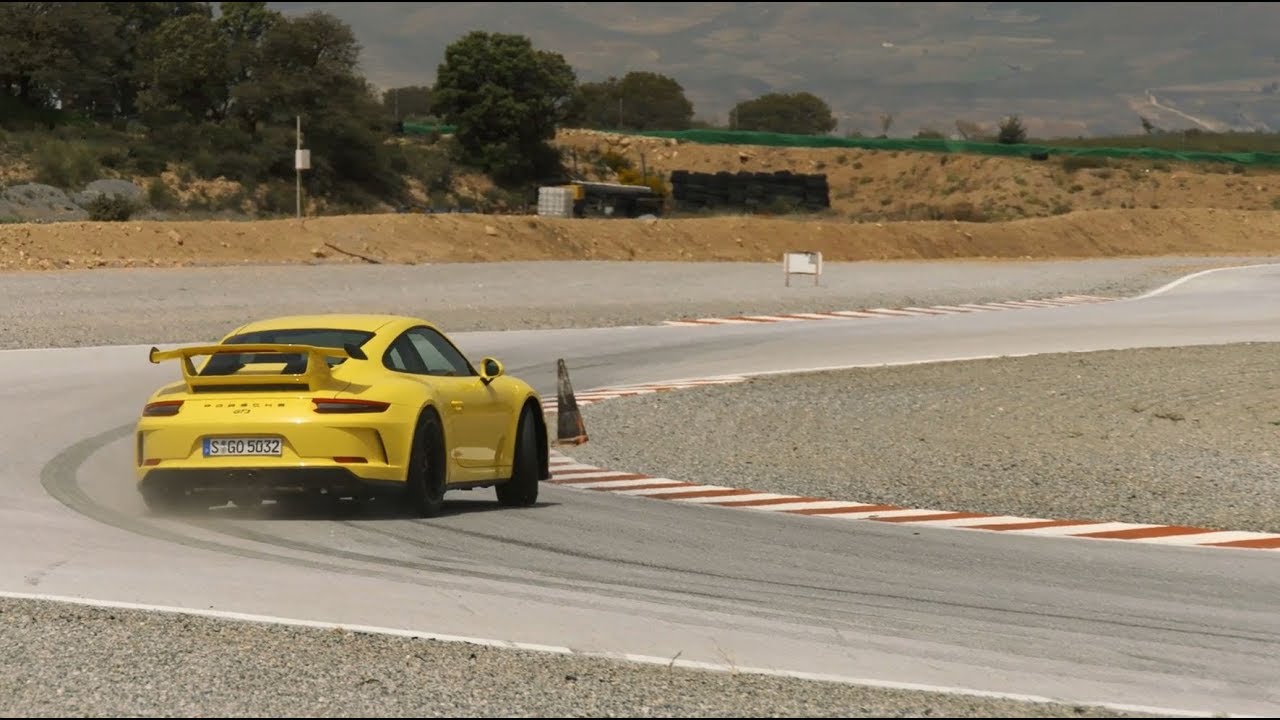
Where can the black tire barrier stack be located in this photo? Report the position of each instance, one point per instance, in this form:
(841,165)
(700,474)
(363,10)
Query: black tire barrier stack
(752,192)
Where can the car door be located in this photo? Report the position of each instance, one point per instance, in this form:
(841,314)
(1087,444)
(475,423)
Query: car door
(451,395)
(477,410)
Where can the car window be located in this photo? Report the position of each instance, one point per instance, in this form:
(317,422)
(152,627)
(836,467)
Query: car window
(228,363)
(438,355)
(396,359)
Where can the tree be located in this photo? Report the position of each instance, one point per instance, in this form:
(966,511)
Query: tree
(136,21)
(243,26)
(56,53)
(408,101)
(639,101)
(801,113)
(184,68)
(307,66)
(506,98)
(886,122)
(1011,131)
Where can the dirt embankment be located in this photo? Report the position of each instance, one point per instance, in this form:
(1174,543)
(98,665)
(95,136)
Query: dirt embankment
(476,238)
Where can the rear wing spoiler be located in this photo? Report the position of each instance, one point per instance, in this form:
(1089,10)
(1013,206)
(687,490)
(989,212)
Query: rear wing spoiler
(315,374)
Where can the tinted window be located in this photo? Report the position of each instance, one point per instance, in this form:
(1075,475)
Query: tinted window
(426,352)
(439,355)
(402,357)
(293,362)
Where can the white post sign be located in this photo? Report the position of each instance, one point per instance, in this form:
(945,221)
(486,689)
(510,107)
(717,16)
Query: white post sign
(801,263)
(301,161)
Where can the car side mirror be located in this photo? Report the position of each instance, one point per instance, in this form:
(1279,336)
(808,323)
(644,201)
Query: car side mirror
(490,369)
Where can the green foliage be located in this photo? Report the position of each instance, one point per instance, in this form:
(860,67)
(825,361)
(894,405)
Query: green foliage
(58,50)
(505,98)
(639,101)
(184,70)
(219,94)
(110,208)
(801,113)
(64,164)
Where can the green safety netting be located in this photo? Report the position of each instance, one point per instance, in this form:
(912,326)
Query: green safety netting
(422,129)
(742,137)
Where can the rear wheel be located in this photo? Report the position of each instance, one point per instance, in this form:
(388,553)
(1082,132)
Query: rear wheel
(522,489)
(426,477)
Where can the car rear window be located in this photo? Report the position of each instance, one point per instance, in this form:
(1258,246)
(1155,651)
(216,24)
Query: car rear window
(291,363)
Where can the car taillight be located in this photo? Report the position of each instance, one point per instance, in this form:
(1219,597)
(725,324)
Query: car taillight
(348,405)
(162,408)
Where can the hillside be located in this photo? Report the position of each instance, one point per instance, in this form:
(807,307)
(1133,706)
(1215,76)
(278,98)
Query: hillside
(878,186)
(51,179)
(885,205)
(1068,68)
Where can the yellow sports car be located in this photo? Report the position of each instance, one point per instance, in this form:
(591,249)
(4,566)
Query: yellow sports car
(342,406)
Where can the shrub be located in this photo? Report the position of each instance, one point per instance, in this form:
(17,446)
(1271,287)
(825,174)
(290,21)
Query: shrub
(629,176)
(1072,163)
(160,196)
(110,208)
(1011,131)
(64,165)
(616,161)
(147,160)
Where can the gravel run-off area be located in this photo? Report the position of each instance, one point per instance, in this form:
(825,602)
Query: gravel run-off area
(1184,436)
(143,306)
(202,667)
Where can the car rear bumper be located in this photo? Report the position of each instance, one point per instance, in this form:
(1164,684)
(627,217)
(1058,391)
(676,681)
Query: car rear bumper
(265,482)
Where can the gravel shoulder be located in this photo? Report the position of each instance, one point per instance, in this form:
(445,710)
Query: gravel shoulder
(129,663)
(1184,436)
(140,306)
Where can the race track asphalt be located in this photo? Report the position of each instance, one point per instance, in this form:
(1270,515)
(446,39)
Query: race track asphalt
(1170,627)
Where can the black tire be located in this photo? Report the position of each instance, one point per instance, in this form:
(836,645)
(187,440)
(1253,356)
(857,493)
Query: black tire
(426,476)
(522,489)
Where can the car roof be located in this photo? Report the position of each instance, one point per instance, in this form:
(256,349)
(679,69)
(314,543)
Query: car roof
(368,322)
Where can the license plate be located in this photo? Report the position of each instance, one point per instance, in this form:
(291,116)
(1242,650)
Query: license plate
(218,447)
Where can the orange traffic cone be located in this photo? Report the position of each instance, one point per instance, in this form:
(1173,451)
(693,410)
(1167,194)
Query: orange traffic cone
(570,429)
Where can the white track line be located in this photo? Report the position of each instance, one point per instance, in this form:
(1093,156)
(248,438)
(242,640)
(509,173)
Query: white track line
(873,514)
(591,475)
(1205,538)
(731,498)
(1082,529)
(803,505)
(668,490)
(623,484)
(855,314)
